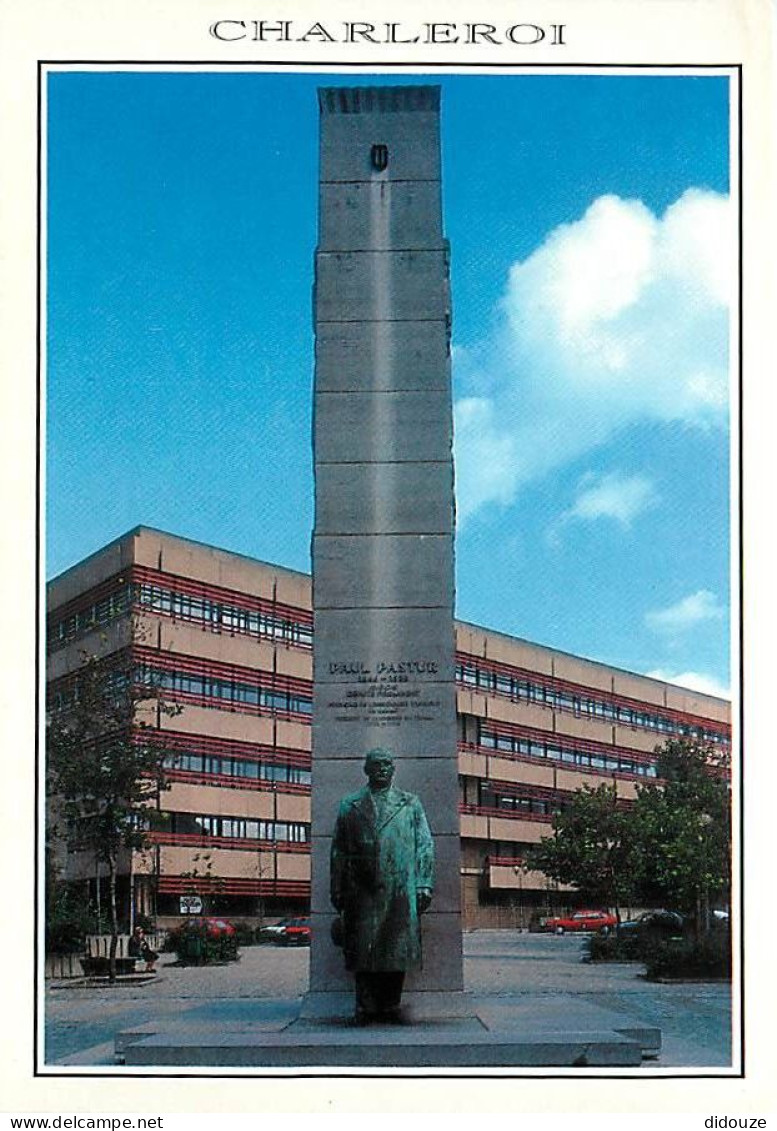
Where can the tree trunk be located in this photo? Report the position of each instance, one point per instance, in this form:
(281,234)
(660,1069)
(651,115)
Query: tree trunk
(114,918)
(98,895)
(698,925)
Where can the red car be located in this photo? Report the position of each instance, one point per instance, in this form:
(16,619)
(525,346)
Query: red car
(296,933)
(582,921)
(215,927)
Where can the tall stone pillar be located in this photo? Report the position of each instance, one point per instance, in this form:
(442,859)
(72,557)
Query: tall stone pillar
(383,540)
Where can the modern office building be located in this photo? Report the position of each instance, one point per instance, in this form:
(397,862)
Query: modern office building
(228,639)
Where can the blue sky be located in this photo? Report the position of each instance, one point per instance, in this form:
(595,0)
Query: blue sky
(591,249)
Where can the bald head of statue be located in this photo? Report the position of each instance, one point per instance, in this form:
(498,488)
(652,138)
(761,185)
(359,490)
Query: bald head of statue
(379,768)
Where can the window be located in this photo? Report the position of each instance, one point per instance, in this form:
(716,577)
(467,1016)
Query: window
(239,828)
(504,685)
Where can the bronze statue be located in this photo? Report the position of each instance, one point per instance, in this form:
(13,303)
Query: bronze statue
(382,877)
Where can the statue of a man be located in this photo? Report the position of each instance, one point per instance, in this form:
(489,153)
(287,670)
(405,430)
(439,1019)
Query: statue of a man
(382,877)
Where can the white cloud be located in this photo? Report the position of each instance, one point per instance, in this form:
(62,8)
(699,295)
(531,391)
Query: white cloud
(614,496)
(695,681)
(703,605)
(617,318)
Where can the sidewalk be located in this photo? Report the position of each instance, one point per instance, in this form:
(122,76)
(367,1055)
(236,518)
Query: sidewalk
(536,977)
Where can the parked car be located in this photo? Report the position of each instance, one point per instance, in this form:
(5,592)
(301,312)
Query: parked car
(582,921)
(296,932)
(667,924)
(215,927)
(272,932)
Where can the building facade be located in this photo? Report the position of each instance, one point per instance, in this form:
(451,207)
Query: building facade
(228,640)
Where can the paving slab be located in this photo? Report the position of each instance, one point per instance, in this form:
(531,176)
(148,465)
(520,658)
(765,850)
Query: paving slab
(462,1032)
(537,980)
(455,1043)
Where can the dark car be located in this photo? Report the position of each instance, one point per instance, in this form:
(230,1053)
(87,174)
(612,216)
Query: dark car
(662,922)
(651,925)
(296,932)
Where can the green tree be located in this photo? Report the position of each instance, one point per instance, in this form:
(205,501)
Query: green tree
(682,824)
(105,762)
(592,847)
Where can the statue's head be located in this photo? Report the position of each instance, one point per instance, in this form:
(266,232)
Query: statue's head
(379,767)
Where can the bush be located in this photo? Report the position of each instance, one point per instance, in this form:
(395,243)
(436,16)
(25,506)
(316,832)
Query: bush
(611,948)
(68,921)
(197,944)
(707,958)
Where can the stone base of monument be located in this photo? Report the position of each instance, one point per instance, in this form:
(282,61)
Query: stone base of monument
(472,1034)
(431,1005)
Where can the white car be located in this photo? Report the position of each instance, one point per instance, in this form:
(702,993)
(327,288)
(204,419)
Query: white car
(273,932)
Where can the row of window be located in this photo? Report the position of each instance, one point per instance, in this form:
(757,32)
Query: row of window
(92,616)
(225,690)
(514,744)
(240,828)
(521,688)
(489,797)
(237,768)
(219,616)
(67,692)
(223,616)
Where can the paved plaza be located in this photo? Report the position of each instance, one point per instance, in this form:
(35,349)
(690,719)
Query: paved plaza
(538,977)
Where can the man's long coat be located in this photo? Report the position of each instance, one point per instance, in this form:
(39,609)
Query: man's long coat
(377,868)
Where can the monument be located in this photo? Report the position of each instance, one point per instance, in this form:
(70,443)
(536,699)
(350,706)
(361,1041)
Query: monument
(383,653)
(386,921)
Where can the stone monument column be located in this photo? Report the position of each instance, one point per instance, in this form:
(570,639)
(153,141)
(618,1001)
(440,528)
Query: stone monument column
(383,540)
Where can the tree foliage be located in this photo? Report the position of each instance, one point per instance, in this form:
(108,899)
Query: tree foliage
(104,771)
(592,847)
(682,822)
(670,847)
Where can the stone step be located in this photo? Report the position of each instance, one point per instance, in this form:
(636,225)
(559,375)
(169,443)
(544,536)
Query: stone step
(453,1043)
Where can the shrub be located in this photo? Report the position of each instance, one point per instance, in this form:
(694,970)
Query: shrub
(610,948)
(68,921)
(198,944)
(707,958)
